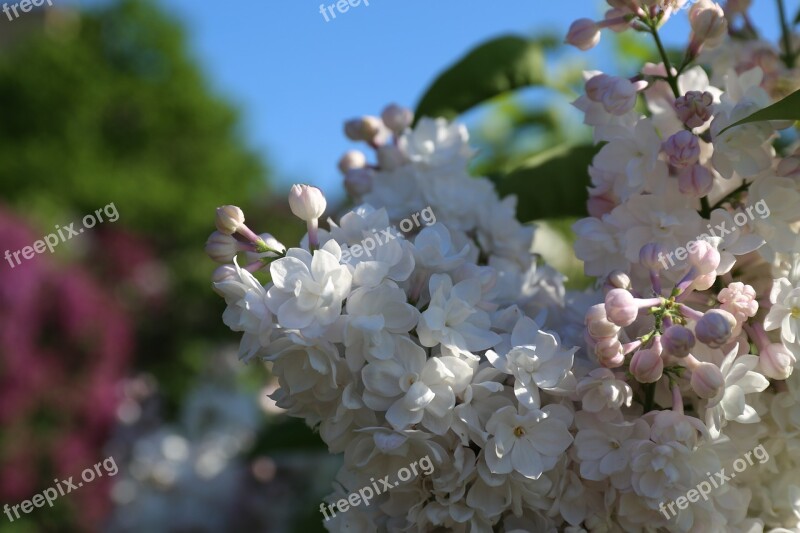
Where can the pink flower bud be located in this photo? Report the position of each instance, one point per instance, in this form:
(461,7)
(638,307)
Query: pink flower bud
(600,204)
(704,281)
(221,247)
(707,380)
(677,341)
(616,21)
(651,256)
(307,202)
(609,352)
(352,160)
(363,129)
(703,256)
(739,300)
(621,308)
(619,96)
(708,23)
(618,279)
(397,118)
(715,328)
(598,325)
(596,86)
(358,182)
(391,157)
(583,34)
(229,219)
(694,108)
(682,149)
(225,272)
(695,181)
(647,366)
(776,361)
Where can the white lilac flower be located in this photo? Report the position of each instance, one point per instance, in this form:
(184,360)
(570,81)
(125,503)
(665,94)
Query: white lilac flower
(537,361)
(785,311)
(731,402)
(602,389)
(452,319)
(308,290)
(528,443)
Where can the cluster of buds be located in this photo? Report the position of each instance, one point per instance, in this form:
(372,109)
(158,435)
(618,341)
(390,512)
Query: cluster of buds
(617,95)
(381,134)
(678,330)
(233,236)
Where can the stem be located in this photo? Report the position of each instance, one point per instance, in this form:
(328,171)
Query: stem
(673,82)
(705,208)
(737,190)
(788,57)
(649,396)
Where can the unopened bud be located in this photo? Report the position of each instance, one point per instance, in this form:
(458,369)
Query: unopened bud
(708,23)
(776,361)
(707,380)
(221,247)
(694,108)
(703,256)
(621,307)
(695,181)
(619,96)
(307,202)
(618,279)
(583,34)
(391,157)
(223,273)
(362,129)
(677,341)
(397,118)
(609,352)
(267,241)
(596,86)
(229,219)
(352,160)
(682,149)
(715,328)
(358,182)
(598,325)
(651,256)
(647,366)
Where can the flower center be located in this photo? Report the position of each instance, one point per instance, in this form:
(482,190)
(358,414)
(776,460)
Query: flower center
(407,380)
(795,312)
(519,431)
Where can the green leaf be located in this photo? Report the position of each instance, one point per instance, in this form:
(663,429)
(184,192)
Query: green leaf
(797,19)
(493,68)
(786,109)
(551,184)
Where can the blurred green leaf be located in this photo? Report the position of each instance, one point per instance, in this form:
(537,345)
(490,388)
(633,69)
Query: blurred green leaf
(493,68)
(550,184)
(786,109)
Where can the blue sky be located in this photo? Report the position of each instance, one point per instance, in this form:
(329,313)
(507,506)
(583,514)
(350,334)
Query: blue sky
(297,78)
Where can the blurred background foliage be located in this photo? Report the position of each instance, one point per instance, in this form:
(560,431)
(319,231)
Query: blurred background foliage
(108,105)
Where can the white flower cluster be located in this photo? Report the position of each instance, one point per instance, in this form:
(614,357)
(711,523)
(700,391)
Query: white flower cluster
(443,344)
(712,333)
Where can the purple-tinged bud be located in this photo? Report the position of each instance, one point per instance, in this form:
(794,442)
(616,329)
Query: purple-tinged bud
(358,182)
(647,366)
(651,256)
(618,279)
(596,86)
(695,181)
(776,361)
(694,108)
(677,341)
(397,118)
(707,380)
(223,273)
(703,282)
(363,129)
(391,157)
(229,219)
(715,328)
(708,24)
(307,202)
(583,34)
(616,20)
(598,325)
(221,247)
(619,96)
(621,308)
(269,242)
(352,160)
(682,149)
(609,353)
(703,256)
